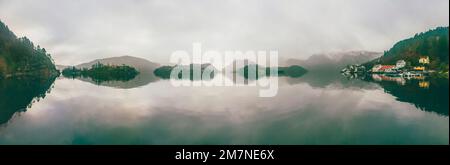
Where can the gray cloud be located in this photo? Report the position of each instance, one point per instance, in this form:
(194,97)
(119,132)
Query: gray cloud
(82,30)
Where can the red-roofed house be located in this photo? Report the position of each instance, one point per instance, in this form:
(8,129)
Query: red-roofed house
(383,68)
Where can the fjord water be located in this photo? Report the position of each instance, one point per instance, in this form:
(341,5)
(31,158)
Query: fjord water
(312,109)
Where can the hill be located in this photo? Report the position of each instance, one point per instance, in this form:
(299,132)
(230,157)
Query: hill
(334,61)
(139,63)
(143,66)
(103,73)
(433,43)
(19,56)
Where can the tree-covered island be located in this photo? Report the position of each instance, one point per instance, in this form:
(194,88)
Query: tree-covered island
(100,72)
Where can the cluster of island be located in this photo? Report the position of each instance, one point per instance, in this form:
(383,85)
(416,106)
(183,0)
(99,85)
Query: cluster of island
(100,72)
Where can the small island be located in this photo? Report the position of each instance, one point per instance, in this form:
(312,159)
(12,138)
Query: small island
(164,72)
(100,72)
(255,71)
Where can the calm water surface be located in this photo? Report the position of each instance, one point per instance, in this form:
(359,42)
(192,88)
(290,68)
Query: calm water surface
(313,109)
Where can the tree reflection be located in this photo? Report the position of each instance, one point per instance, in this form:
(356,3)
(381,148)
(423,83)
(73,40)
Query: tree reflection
(19,93)
(427,93)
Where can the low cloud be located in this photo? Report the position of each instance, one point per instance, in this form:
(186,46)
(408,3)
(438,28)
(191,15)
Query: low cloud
(79,31)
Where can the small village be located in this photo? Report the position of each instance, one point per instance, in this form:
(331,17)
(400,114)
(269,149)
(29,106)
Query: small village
(400,72)
(401,69)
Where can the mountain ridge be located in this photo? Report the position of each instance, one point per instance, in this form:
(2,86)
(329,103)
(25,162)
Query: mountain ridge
(334,61)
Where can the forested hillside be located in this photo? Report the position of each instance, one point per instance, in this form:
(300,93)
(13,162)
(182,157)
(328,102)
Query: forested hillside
(19,56)
(433,43)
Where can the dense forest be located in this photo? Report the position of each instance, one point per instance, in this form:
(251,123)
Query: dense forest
(100,72)
(19,56)
(433,43)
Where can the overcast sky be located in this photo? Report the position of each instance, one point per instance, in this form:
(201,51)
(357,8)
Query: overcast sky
(83,30)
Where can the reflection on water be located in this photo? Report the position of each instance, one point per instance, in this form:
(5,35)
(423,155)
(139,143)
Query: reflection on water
(312,109)
(426,93)
(193,72)
(142,79)
(18,94)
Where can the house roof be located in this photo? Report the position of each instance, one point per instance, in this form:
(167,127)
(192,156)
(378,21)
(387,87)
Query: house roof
(384,67)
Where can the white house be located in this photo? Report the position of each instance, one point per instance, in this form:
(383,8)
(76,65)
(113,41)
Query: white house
(400,64)
(376,68)
(424,60)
